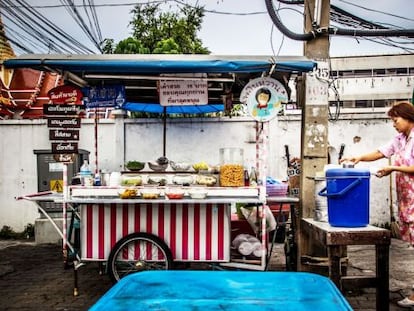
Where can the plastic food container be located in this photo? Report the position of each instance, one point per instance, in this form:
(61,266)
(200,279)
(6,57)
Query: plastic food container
(197,193)
(150,193)
(131,180)
(231,167)
(129,193)
(174,193)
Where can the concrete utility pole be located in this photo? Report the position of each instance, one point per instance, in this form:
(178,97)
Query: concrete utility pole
(314,132)
(314,143)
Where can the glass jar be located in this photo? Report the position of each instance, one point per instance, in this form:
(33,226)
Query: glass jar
(231,167)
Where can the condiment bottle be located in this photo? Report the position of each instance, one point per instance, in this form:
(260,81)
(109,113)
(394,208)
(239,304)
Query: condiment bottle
(253,177)
(246,178)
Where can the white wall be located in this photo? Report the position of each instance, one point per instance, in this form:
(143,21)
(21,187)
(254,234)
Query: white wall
(121,140)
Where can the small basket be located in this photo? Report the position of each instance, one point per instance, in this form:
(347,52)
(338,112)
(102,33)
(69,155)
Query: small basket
(276,189)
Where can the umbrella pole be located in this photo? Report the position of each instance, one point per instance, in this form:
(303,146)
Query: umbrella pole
(164,134)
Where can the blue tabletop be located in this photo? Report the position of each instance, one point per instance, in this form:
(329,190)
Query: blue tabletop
(222,290)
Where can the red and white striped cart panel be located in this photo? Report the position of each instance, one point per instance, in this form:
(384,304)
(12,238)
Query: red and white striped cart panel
(193,232)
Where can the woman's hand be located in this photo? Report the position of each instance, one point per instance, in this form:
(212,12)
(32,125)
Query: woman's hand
(385,171)
(354,160)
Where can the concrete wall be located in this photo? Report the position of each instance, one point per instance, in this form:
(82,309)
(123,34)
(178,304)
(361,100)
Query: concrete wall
(121,140)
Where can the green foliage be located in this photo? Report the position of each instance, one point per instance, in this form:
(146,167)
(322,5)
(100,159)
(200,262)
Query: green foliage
(157,32)
(131,46)
(108,46)
(167,46)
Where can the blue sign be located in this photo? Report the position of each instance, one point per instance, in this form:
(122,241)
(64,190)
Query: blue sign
(104,96)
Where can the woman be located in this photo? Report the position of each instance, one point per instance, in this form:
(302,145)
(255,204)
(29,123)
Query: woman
(402,148)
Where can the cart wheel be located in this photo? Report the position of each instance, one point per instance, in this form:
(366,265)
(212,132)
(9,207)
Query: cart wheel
(138,252)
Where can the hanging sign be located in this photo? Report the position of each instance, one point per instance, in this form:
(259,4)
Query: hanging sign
(62,109)
(62,122)
(264,98)
(65,94)
(183,92)
(104,96)
(65,147)
(63,134)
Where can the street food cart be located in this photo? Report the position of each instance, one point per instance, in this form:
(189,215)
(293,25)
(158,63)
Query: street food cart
(137,233)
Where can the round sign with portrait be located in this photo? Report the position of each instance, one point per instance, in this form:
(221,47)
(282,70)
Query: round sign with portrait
(264,98)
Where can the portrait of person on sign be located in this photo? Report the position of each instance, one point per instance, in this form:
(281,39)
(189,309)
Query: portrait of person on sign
(264,105)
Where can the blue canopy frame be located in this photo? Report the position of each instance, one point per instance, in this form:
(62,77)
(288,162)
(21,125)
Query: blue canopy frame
(124,66)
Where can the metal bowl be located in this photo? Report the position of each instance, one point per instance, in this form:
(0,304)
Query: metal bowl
(157,167)
(183,179)
(135,166)
(180,166)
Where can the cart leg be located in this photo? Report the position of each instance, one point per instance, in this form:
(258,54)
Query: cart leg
(65,258)
(75,279)
(101,268)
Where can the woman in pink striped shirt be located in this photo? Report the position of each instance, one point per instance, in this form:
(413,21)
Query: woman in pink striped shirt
(402,148)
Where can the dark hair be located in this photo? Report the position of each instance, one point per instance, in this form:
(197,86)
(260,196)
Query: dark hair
(263,90)
(403,110)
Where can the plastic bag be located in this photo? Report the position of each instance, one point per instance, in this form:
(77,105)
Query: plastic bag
(252,215)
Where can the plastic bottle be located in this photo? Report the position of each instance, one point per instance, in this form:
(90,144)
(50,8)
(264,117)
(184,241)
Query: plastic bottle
(97,179)
(246,178)
(86,174)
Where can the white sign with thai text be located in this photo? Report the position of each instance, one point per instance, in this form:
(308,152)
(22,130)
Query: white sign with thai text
(183,92)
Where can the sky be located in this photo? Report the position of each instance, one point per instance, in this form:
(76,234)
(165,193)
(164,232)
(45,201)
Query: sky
(235,27)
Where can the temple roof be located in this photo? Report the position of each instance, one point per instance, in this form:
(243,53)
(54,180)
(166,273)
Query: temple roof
(6,51)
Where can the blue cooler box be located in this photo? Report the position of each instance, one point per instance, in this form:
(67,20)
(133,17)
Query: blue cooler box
(347,191)
(222,290)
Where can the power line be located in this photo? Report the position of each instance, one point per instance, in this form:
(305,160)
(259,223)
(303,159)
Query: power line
(377,11)
(39,27)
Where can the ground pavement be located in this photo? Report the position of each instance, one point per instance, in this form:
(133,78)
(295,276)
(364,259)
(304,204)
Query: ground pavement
(32,277)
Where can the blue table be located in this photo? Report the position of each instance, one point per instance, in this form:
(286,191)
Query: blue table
(222,290)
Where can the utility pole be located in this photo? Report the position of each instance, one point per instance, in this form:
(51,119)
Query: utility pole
(315,111)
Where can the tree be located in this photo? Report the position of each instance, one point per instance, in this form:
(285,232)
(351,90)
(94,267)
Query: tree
(157,32)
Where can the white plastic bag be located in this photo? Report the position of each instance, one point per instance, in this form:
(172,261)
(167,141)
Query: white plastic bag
(252,215)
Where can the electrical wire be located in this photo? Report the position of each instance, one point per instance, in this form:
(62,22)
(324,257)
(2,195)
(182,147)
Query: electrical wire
(333,31)
(55,39)
(28,25)
(377,11)
(36,25)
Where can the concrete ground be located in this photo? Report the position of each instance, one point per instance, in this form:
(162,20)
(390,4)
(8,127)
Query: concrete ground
(32,277)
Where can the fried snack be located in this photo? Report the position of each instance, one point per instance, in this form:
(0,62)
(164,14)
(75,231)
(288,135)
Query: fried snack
(231,175)
(128,194)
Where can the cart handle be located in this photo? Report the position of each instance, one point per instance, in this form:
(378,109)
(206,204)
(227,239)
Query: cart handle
(33,195)
(323,192)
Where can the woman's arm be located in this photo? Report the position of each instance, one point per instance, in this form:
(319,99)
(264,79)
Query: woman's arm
(368,157)
(393,168)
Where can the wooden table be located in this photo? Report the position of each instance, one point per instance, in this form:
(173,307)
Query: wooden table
(335,238)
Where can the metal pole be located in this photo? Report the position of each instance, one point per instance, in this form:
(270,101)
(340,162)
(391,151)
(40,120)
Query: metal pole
(164,134)
(96,140)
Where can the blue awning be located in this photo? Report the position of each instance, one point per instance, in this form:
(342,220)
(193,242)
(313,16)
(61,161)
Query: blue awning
(158,64)
(157,108)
